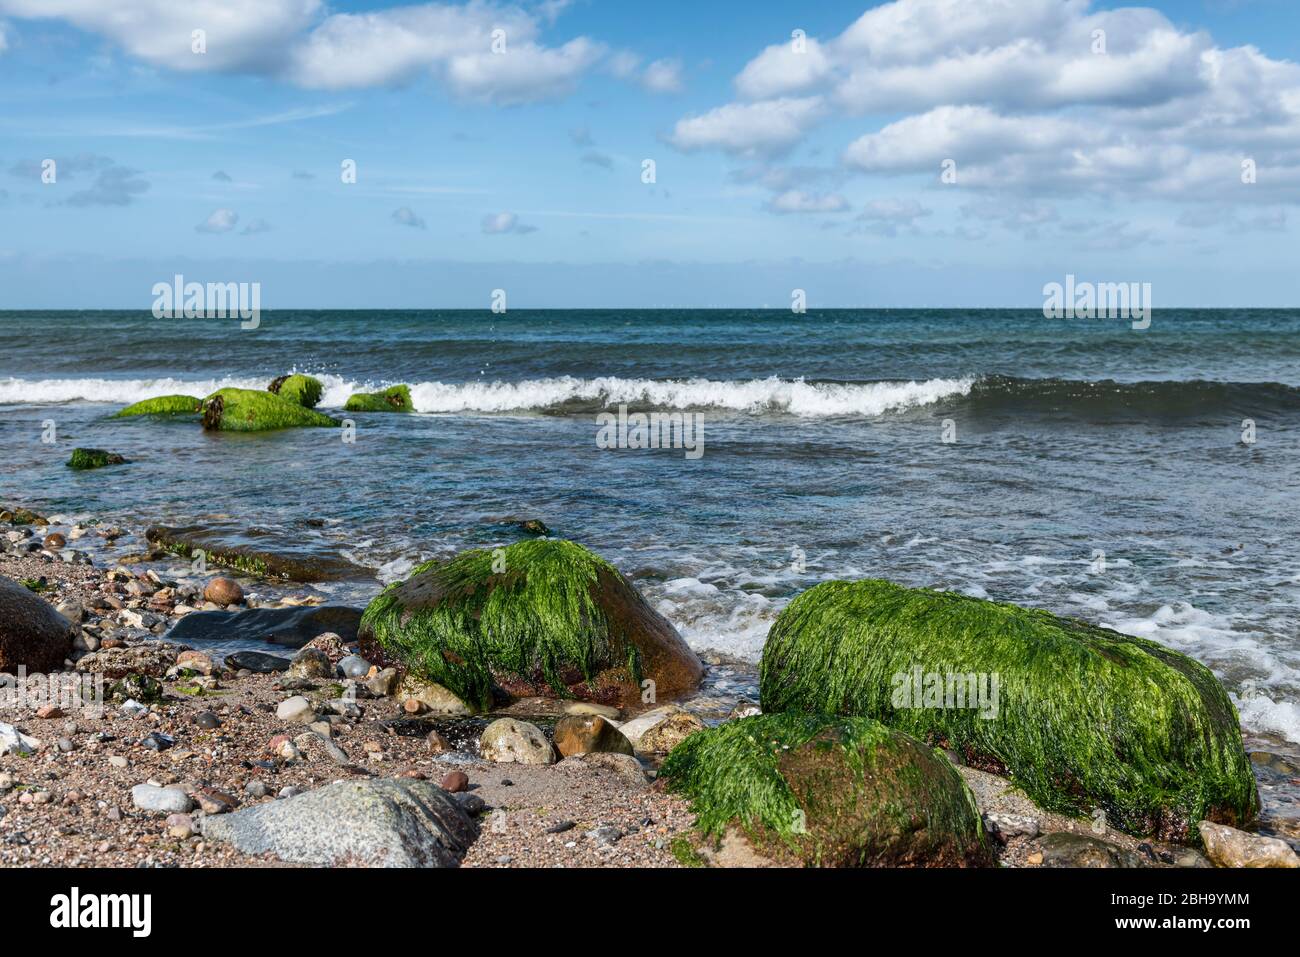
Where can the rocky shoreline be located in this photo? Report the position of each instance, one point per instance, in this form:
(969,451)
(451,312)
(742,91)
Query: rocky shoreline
(194,752)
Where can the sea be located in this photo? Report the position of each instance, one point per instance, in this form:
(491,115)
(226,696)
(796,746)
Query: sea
(1147,479)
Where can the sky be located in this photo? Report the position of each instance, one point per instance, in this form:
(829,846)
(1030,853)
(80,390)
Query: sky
(909,153)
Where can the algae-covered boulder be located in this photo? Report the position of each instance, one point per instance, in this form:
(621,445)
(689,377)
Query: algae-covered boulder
(1078,716)
(164,405)
(93,459)
(542,617)
(247,410)
(255,551)
(303,389)
(393,399)
(826,792)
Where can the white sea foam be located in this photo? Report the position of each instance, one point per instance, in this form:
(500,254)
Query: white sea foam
(788,396)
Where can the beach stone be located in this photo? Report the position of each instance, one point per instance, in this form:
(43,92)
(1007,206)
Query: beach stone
(288,627)
(586,733)
(454,782)
(1004,826)
(180,826)
(311,663)
(151,797)
(331,644)
(295,710)
(207,720)
(507,741)
(1067,849)
(624,765)
(431,696)
(256,789)
(257,662)
(54,541)
(382,684)
(212,801)
(13,741)
(386,822)
(152,660)
(228,543)
(1229,847)
(196,661)
(32,634)
(590,707)
(670,732)
(136,687)
(471,804)
(354,666)
(316,746)
(224,591)
(437,743)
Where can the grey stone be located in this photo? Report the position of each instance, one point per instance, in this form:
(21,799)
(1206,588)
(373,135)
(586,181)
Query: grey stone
(354,666)
(375,823)
(150,797)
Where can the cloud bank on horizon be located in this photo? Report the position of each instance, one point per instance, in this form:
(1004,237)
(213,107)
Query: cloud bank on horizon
(912,131)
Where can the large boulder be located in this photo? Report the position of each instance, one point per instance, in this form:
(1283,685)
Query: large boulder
(826,792)
(1229,847)
(164,405)
(32,634)
(393,399)
(376,823)
(1079,717)
(249,410)
(305,390)
(541,617)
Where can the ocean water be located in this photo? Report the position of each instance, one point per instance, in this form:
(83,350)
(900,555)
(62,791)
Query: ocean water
(1097,471)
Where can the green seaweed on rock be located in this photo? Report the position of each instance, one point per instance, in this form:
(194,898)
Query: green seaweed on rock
(523,610)
(248,410)
(1087,718)
(305,390)
(93,459)
(828,791)
(163,405)
(393,399)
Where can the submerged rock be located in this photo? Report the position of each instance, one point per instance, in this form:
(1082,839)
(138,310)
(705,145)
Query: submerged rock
(303,390)
(396,822)
(248,410)
(393,399)
(542,617)
(1080,717)
(252,551)
(164,405)
(827,792)
(1067,849)
(32,634)
(93,459)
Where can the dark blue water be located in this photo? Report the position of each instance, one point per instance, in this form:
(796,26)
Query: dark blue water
(1097,470)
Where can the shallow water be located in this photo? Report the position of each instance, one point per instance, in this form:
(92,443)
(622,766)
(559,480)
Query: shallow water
(1097,471)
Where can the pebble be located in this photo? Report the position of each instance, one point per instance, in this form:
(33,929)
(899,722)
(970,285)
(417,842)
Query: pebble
(207,720)
(289,792)
(560,828)
(149,797)
(256,789)
(296,709)
(454,782)
(117,761)
(354,666)
(157,741)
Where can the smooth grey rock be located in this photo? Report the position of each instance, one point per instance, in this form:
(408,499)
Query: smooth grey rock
(354,666)
(376,823)
(507,740)
(150,797)
(297,710)
(256,662)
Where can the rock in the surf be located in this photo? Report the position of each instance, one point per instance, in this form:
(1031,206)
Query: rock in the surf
(248,410)
(164,405)
(1078,716)
(1229,847)
(542,617)
(32,634)
(825,792)
(304,390)
(84,459)
(393,399)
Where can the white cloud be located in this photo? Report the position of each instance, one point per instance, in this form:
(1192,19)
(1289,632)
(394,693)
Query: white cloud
(797,201)
(1021,96)
(240,34)
(663,76)
(4,39)
(501,223)
(768,126)
(221,221)
(524,74)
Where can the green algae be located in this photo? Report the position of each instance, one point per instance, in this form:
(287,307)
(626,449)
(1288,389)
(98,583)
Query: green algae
(305,390)
(393,399)
(526,610)
(248,410)
(828,791)
(163,405)
(93,459)
(1087,718)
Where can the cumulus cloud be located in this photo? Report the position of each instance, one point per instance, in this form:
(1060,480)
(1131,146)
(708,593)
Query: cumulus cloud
(887,216)
(405,216)
(480,50)
(502,223)
(221,221)
(764,127)
(1045,96)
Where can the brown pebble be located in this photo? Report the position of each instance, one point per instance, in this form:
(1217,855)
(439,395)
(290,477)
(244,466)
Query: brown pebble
(224,591)
(454,782)
(411,706)
(436,742)
(55,541)
(49,711)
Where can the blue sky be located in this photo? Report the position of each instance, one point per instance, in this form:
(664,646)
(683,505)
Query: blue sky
(776,168)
